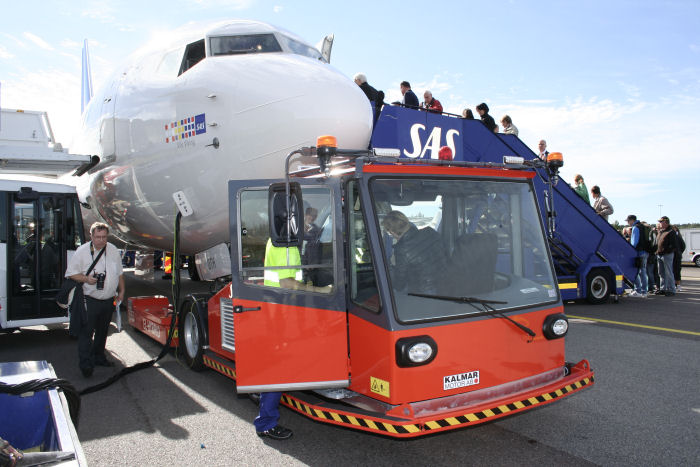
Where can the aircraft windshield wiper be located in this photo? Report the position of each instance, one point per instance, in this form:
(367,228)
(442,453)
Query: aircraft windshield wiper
(488,309)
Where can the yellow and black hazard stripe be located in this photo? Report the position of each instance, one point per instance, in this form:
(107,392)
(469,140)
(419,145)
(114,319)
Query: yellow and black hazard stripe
(395,428)
(347,419)
(223,369)
(504,409)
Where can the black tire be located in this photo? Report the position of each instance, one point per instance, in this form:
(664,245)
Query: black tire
(696,260)
(191,336)
(192,269)
(598,286)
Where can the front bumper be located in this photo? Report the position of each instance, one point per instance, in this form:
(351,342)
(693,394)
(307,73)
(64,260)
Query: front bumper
(444,415)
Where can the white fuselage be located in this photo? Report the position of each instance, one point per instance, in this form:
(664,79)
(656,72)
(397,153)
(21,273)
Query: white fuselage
(154,130)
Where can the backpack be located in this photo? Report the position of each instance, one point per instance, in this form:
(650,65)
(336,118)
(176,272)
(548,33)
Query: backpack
(645,242)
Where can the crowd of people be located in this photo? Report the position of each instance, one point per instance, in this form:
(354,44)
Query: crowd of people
(659,247)
(659,250)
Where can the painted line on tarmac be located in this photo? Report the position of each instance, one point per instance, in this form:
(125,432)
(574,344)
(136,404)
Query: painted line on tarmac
(621,323)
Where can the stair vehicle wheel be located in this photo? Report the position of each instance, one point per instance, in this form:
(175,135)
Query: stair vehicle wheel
(191,335)
(696,260)
(597,286)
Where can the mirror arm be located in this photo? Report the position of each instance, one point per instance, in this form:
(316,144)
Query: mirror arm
(286,191)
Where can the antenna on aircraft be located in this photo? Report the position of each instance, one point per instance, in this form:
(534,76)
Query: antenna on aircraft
(86,82)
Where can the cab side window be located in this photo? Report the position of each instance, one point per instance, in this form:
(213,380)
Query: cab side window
(363,284)
(311,265)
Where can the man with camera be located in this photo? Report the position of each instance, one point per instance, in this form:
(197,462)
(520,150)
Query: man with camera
(97,265)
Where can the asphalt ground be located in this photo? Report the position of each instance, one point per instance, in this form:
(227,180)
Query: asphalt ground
(643,410)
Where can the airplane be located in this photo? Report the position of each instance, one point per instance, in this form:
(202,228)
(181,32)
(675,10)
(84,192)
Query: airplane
(213,102)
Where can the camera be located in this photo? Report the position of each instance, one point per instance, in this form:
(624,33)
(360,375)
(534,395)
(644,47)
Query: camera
(100,280)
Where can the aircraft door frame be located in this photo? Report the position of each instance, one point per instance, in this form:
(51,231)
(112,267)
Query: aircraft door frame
(286,339)
(108,123)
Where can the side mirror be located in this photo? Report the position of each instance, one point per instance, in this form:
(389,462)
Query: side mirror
(26,193)
(286,227)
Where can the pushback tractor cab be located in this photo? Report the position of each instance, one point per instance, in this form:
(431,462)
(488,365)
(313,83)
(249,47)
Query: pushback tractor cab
(388,295)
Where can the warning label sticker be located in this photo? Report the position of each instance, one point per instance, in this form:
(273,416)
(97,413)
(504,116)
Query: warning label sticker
(379,386)
(461,380)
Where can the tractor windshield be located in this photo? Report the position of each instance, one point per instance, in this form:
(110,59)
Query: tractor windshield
(476,239)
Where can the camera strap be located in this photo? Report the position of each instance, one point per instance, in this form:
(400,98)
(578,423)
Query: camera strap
(92,266)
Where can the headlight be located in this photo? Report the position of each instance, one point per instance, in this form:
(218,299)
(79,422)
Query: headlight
(415,351)
(419,352)
(555,326)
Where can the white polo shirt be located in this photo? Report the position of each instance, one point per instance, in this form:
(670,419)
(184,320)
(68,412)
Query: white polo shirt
(110,263)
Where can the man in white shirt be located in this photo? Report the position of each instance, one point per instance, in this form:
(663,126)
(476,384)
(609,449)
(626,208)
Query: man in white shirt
(105,281)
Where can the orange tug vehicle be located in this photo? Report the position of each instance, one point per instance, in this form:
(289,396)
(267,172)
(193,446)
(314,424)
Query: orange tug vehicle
(406,297)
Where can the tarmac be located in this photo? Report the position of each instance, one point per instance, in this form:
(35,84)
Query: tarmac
(643,410)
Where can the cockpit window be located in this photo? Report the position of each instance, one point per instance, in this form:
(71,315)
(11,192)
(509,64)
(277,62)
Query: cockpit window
(194,53)
(246,44)
(300,48)
(171,63)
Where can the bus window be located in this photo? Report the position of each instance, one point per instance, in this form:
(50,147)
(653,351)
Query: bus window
(3,218)
(74,237)
(24,246)
(49,273)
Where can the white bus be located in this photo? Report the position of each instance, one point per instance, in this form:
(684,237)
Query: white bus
(40,229)
(691,237)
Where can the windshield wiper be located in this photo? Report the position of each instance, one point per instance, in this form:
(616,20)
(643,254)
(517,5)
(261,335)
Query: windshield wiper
(488,309)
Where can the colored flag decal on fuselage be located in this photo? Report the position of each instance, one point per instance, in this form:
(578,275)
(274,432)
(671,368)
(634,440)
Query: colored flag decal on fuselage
(185,128)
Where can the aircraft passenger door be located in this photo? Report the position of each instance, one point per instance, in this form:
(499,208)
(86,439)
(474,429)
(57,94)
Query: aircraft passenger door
(287,339)
(36,257)
(108,124)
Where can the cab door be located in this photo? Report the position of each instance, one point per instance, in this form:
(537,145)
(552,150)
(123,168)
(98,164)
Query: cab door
(288,339)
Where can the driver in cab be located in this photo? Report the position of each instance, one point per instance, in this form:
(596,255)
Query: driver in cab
(419,256)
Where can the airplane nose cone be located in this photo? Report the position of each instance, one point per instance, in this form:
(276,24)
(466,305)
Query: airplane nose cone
(276,104)
(331,103)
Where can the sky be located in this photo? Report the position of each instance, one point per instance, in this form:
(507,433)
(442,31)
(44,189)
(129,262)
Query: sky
(614,85)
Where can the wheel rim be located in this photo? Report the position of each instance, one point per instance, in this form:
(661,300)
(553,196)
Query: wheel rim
(599,287)
(191,335)
(697,261)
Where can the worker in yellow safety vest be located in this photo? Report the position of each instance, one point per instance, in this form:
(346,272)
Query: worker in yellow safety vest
(287,278)
(291,278)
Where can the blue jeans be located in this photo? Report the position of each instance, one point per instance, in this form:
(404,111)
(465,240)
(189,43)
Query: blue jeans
(641,283)
(651,277)
(269,411)
(668,282)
